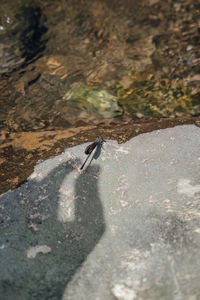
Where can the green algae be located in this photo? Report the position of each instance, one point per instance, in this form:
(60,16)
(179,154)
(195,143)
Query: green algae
(146,96)
(149,96)
(94,100)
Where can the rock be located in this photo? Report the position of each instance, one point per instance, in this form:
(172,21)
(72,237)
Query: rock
(94,100)
(189,48)
(127,226)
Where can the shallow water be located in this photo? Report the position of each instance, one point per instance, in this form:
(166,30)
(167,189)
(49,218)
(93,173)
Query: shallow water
(143,53)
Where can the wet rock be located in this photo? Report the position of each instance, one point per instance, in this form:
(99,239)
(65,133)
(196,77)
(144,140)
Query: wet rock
(96,101)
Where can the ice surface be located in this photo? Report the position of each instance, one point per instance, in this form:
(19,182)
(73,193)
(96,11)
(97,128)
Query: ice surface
(127,226)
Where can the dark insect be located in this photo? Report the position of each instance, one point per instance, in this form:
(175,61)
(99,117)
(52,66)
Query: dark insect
(89,149)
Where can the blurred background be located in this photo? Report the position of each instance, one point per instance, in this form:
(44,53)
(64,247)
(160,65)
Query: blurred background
(68,63)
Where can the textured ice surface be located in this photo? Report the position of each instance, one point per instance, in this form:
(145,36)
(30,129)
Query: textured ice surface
(126,227)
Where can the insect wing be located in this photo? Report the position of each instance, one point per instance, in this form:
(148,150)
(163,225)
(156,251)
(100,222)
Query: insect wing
(90,148)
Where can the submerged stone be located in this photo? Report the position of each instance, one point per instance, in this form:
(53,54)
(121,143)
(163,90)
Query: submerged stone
(94,100)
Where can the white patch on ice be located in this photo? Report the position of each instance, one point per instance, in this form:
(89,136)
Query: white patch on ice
(66,209)
(134,259)
(184,187)
(114,151)
(2,247)
(33,251)
(122,292)
(177,292)
(123,150)
(122,189)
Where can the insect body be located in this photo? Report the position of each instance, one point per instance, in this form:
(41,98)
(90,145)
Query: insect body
(89,149)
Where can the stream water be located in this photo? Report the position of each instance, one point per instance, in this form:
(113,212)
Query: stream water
(69,63)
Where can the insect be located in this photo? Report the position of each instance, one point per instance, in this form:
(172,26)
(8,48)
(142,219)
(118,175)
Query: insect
(90,148)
